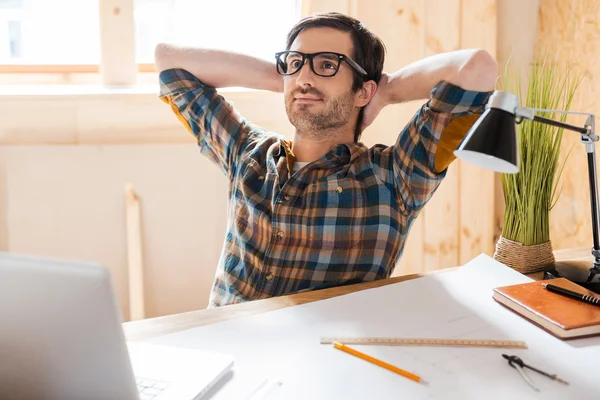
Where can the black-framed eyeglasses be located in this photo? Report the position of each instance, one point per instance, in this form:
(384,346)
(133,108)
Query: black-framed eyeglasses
(324,63)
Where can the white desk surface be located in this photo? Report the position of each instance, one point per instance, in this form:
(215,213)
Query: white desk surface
(284,344)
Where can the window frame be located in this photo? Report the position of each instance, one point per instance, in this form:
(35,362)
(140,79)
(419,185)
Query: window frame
(117,49)
(117,66)
(63,68)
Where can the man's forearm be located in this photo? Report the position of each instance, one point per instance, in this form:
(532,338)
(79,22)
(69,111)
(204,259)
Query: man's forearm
(470,69)
(220,68)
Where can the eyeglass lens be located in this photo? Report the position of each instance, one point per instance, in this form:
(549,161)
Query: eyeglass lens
(323,64)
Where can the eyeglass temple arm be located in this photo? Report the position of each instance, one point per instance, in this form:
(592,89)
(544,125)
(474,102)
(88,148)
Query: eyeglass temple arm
(588,137)
(356,66)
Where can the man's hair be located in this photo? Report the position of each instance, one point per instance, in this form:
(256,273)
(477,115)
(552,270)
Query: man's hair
(368,49)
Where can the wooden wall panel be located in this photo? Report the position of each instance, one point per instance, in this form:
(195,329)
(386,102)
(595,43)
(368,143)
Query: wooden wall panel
(571,29)
(69,202)
(464,204)
(32,121)
(97,118)
(478,29)
(316,6)
(441,214)
(117,42)
(517,26)
(399,23)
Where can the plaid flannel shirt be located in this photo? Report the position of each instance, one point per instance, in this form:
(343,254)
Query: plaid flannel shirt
(341,219)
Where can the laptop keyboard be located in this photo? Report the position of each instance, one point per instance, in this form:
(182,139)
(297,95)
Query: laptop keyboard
(149,389)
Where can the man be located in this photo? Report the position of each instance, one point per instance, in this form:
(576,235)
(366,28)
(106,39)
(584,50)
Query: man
(323,209)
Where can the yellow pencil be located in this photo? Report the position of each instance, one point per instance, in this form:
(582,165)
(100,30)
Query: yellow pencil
(380,363)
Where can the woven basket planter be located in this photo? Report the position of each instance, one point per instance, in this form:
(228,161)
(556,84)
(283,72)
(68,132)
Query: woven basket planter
(524,259)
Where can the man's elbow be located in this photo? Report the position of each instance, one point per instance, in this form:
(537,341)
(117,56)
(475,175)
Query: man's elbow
(479,72)
(163,52)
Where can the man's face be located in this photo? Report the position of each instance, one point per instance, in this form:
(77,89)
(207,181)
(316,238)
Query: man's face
(315,104)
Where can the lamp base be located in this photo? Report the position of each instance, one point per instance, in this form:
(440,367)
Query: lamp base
(577,272)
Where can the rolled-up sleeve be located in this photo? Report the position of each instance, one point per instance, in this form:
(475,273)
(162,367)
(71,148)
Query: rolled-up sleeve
(221,132)
(416,164)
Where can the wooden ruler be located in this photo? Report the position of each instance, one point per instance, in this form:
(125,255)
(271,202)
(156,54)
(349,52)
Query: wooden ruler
(378,341)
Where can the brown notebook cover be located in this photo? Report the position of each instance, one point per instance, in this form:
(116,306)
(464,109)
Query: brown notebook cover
(562,316)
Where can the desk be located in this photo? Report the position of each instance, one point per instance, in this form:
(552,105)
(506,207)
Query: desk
(149,328)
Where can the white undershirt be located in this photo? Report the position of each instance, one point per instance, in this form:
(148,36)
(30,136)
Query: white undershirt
(298,165)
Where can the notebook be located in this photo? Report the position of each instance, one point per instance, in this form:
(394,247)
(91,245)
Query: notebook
(562,316)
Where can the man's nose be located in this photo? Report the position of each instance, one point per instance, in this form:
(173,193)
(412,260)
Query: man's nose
(305,77)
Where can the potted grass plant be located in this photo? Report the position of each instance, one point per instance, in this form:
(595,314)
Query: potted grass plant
(530,194)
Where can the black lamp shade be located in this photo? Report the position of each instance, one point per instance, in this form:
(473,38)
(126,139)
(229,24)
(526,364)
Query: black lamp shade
(491,143)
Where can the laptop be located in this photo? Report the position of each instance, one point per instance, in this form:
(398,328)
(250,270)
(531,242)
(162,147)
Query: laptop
(61,338)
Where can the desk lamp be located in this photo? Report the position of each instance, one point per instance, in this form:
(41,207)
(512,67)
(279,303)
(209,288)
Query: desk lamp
(492,143)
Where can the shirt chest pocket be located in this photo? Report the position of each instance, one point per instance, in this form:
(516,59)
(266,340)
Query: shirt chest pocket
(333,215)
(254,183)
(334,194)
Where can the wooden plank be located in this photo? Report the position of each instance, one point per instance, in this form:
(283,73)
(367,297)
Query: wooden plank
(305,8)
(54,122)
(517,26)
(62,68)
(135,264)
(477,185)
(104,118)
(409,16)
(394,19)
(117,42)
(390,20)
(441,214)
(319,6)
(354,8)
(575,25)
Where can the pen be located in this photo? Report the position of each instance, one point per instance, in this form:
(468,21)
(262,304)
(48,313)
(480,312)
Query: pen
(379,363)
(574,295)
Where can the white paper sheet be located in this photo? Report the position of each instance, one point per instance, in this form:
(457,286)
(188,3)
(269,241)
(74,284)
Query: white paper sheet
(284,344)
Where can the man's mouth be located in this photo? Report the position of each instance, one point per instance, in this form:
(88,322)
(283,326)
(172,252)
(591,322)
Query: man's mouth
(307,100)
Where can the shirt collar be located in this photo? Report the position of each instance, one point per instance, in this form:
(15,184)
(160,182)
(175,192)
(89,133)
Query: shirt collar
(343,153)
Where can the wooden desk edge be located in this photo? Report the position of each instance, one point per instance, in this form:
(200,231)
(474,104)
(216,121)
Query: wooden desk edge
(153,327)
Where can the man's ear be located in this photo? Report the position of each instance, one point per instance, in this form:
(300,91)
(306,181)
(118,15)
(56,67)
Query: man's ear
(365,94)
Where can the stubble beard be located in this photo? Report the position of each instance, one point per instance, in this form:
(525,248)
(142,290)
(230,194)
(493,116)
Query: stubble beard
(322,123)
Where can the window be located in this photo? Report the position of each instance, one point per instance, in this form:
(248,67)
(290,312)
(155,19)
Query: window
(63,36)
(255,27)
(15,39)
(49,32)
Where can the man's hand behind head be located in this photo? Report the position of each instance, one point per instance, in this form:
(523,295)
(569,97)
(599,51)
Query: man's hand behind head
(377,103)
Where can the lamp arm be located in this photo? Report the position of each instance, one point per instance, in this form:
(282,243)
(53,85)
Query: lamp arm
(588,130)
(588,137)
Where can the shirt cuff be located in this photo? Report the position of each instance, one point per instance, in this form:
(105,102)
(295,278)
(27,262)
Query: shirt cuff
(176,80)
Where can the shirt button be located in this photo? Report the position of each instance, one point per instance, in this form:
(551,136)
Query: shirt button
(280,235)
(269,276)
(339,189)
